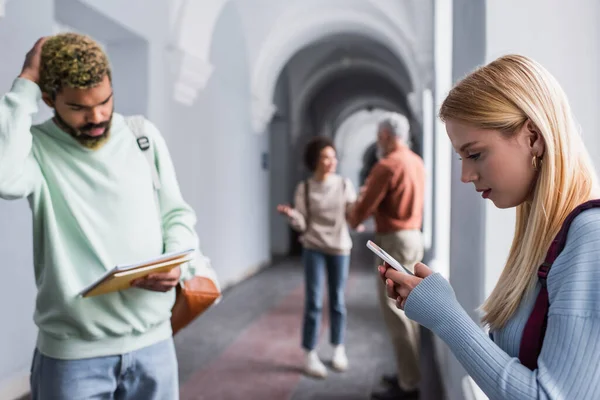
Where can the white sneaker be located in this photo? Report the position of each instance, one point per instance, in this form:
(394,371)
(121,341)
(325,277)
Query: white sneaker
(339,361)
(313,365)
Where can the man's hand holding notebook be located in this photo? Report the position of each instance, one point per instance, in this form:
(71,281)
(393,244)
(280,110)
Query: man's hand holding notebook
(159,281)
(160,274)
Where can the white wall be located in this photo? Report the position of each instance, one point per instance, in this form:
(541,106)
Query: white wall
(148,19)
(466,252)
(19,29)
(219,159)
(565,38)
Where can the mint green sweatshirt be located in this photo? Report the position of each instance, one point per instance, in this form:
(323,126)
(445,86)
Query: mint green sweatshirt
(92,210)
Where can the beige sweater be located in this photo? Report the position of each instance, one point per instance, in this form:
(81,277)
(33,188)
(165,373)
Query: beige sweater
(329,202)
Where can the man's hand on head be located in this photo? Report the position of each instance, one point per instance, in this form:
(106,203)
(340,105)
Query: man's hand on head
(33,61)
(160,282)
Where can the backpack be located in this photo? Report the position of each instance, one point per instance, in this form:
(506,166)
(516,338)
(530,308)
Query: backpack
(535,328)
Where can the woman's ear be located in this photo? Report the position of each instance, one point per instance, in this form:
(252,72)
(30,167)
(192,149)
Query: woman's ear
(535,139)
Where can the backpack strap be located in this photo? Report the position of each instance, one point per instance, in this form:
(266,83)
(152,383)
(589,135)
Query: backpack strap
(307,202)
(535,328)
(136,124)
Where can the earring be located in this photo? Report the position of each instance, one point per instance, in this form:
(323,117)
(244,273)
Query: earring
(536,162)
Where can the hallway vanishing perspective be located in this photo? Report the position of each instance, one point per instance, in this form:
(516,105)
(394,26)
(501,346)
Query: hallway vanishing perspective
(237,88)
(255,354)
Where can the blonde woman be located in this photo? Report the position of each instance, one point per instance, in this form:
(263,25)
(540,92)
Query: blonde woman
(511,124)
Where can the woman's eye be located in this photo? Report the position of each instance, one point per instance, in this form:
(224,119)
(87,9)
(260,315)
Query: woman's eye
(472,156)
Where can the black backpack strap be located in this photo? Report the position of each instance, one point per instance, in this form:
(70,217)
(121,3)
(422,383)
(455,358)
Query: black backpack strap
(535,328)
(307,202)
(136,124)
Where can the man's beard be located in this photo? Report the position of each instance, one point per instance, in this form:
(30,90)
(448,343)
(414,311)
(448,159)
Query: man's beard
(82,135)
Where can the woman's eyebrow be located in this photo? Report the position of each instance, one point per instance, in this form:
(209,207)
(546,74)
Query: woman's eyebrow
(466,145)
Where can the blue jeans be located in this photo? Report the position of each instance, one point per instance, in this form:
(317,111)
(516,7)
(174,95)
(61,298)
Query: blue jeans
(315,264)
(149,373)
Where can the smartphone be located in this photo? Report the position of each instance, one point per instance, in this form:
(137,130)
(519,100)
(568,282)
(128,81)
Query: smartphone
(387,258)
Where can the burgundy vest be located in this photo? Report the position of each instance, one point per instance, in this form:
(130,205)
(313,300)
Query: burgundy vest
(535,328)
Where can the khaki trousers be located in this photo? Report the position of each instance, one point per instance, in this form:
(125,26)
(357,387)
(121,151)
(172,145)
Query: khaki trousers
(406,247)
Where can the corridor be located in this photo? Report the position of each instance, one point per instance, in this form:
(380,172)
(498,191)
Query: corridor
(237,89)
(255,354)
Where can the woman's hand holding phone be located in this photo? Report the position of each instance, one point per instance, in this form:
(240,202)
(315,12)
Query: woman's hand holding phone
(399,284)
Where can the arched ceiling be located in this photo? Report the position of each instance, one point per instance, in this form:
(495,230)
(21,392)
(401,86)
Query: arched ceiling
(276,30)
(294,32)
(335,54)
(366,72)
(358,70)
(344,90)
(361,80)
(300,23)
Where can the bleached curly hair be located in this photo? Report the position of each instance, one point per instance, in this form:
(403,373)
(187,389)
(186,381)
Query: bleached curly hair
(72,60)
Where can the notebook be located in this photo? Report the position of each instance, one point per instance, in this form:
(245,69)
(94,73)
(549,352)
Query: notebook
(121,276)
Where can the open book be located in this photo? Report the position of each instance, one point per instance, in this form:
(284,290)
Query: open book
(121,276)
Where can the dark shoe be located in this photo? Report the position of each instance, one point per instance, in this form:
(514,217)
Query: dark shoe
(390,380)
(395,393)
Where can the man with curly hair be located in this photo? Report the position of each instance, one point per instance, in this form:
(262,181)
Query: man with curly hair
(72,63)
(94,204)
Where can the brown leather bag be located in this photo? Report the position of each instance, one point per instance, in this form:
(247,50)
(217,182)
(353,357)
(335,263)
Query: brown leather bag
(193,298)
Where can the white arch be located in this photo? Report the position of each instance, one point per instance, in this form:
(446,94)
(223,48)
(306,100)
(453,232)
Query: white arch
(193,23)
(296,30)
(197,20)
(323,74)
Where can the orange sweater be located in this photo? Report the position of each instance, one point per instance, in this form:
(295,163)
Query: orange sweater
(394,193)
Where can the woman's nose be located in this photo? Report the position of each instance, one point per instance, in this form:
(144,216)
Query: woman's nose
(468,173)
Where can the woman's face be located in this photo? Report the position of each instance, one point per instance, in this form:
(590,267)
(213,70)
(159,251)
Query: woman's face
(499,166)
(327,161)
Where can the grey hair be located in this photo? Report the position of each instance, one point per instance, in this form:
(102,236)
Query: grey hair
(397,125)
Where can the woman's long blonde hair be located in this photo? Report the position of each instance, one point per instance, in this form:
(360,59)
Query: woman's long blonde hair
(502,96)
